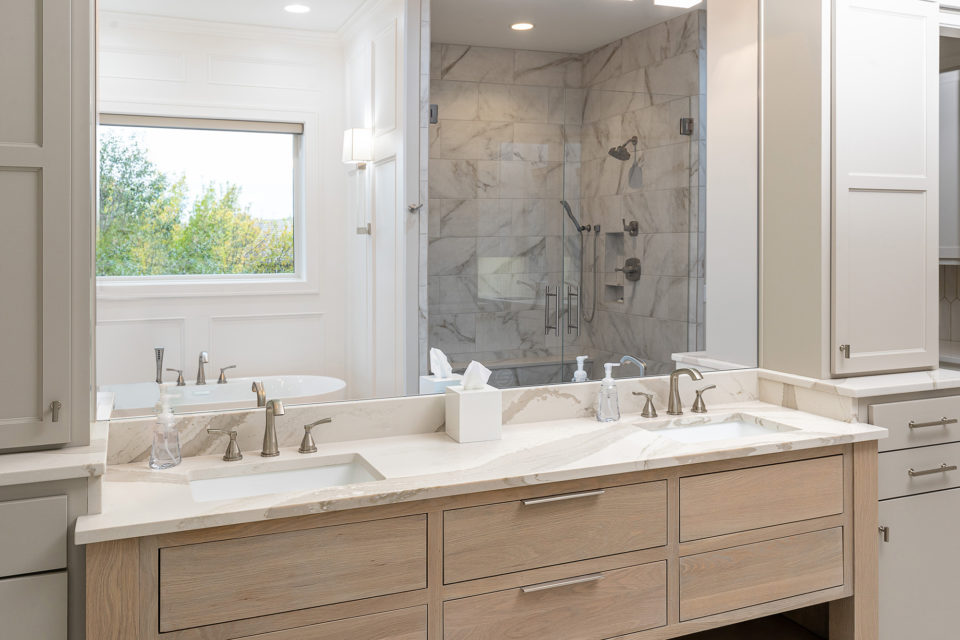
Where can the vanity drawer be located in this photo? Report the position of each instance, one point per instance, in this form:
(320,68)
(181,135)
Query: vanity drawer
(34,607)
(526,534)
(405,624)
(33,536)
(928,475)
(933,420)
(213,582)
(715,504)
(591,607)
(753,574)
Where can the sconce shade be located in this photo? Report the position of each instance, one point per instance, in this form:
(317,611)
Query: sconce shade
(357,146)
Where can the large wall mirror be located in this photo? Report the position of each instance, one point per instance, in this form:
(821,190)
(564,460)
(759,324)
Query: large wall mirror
(314,195)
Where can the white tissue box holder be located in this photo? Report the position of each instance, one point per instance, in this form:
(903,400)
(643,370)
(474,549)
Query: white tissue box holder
(435,384)
(474,415)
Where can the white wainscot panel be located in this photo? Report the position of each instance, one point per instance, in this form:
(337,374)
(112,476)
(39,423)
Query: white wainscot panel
(385,80)
(254,72)
(125,348)
(143,65)
(268,344)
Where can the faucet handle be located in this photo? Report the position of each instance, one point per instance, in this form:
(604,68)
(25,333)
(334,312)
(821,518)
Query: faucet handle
(698,405)
(180,382)
(307,445)
(233,449)
(649,410)
(223,377)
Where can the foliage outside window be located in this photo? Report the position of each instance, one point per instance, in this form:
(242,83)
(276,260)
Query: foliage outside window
(181,201)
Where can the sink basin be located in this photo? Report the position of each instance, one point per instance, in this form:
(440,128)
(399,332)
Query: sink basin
(334,472)
(722,428)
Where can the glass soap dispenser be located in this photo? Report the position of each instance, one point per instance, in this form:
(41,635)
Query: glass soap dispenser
(608,404)
(165,452)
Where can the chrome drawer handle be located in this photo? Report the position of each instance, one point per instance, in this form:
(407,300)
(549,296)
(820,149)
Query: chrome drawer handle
(569,496)
(926,472)
(543,586)
(942,422)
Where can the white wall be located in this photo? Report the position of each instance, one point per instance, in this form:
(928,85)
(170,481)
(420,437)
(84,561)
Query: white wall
(171,67)
(731,195)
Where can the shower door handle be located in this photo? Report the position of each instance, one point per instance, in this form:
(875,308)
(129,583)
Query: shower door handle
(555,327)
(573,292)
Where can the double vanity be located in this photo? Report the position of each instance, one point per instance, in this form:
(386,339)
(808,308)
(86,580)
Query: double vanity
(566,527)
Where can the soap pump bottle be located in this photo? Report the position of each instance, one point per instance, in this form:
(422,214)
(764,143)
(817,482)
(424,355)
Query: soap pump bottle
(580,375)
(608,404)
(165,451)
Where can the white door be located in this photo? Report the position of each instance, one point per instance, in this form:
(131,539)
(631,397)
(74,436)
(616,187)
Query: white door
(885,187)
(919,565)
(35,208)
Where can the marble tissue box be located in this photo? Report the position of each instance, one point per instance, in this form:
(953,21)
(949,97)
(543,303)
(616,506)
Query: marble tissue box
(474,415)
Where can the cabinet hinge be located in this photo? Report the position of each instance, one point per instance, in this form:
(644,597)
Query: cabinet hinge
(845,350)
(885,532)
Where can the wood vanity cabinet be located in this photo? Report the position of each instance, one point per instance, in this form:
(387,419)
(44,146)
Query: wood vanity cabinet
(649,555)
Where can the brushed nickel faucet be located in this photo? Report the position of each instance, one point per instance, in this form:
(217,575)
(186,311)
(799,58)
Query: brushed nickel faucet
(270,449)
(637,361)
(257,388)
(201,376)
(675,407)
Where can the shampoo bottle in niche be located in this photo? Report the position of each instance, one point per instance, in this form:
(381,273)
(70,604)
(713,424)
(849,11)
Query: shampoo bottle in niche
(608,404)
(580,375)
(165,452)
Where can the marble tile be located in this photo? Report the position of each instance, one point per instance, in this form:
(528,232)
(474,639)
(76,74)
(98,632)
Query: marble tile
(452,256)
(545,69)
(436,51)
(657,125)
(662,211)
(662,297)
(476,64)
(453,331)
(674,77)
(508,103)
(472,140)
(662,41)
(531,179)
(602,63)
(511,330)
(456,100)
(511,254)
(463,179)
(536,143)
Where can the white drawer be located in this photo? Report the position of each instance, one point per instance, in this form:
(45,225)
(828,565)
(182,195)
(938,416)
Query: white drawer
(33,537)
(34,607)
(930,470)
(917,423)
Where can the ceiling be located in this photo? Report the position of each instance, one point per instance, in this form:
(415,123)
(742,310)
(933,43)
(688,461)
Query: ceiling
(326,15)
(568,26)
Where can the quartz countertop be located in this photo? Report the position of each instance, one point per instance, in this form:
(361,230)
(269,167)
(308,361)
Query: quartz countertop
(138,501)
(869,386)
(57,464)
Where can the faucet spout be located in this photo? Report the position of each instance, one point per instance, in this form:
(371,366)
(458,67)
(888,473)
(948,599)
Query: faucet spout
(270,448)
(257,388)
(201,375)
(637,361)
(675,407)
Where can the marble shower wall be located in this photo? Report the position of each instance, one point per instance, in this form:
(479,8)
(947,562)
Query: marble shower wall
(950,303)
(642,85)
(496,180)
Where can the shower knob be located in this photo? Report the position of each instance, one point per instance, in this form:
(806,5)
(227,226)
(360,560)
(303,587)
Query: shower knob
(630,269)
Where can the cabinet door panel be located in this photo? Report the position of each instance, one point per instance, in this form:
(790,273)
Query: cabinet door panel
(34,607)
(886,199)
(919,566)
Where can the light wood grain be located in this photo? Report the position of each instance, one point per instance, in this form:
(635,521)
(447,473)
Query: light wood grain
(857,617)
(219,581)
(406,624)
(721,503)
(624,601)
(729,579)
(113,593)
(511,536)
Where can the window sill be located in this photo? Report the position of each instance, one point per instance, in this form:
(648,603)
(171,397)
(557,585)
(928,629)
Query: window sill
(157,287)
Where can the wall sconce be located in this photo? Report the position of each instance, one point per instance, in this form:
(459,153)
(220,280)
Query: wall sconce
(357,147)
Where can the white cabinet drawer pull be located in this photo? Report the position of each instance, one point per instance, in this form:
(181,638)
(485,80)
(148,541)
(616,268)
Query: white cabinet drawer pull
(942,422)
(569,496)
(926,472)
(543,586)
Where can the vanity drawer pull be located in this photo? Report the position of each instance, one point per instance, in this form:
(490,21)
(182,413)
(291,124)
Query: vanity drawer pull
(569,496)
(942,422)
(926,472)
(567,582)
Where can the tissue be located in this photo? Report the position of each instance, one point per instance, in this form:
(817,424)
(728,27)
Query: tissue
(475,377)
(439,364)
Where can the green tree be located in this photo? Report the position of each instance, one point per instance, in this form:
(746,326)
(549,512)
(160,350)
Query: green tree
(147,227)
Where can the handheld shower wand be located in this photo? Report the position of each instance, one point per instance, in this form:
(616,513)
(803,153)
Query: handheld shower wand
(596,276)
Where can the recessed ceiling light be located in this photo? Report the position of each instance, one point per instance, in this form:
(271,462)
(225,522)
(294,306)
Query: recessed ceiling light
(297,8)
(682,4)
(521,26)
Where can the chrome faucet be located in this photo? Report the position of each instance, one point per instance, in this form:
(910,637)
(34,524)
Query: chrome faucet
(257,388)
(201,376)
(675,407)
(637,361)
(270,448)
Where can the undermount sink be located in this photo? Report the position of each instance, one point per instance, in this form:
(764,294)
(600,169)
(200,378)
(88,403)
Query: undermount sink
(332,472)
(732,427)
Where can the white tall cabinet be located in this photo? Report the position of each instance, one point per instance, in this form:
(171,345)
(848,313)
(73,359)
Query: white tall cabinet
(45,202)
(849,186)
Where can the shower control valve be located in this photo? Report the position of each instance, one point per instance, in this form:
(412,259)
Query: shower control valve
(632,227)
(631,269)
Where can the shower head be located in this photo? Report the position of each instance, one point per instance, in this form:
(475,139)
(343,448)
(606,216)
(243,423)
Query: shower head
(621,153)
(576,223)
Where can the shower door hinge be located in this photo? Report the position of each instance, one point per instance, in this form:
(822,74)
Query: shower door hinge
(686,126)
(434,114)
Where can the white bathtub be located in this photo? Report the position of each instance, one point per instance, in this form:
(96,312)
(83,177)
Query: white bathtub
(139,398)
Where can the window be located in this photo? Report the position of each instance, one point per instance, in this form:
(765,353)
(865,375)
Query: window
(194,197)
